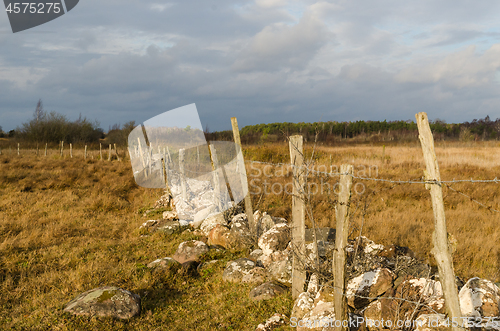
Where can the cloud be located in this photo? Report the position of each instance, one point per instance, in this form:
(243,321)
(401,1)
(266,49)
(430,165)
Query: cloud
(458,70)
(281,46)
(262,61)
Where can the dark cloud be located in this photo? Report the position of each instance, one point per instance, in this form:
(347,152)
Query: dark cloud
(262,61)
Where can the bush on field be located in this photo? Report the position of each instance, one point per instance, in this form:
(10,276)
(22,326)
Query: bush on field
(54,127)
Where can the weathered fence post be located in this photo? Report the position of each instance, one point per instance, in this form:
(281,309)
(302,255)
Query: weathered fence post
(71,150)
(17,148)
(116,152)
(182,174)
(109,153)
(140,153)
(45,149)
(243,176)
(215,167)
(100,151)
(341,233)
(298,215)
(169,156)
(62,147)
(441,249)
(85,153)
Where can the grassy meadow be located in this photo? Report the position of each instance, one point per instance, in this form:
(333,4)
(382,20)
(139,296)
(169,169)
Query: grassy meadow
(68,225)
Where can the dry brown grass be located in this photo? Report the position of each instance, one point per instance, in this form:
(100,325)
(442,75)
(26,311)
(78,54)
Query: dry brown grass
(69,225)
(399,214)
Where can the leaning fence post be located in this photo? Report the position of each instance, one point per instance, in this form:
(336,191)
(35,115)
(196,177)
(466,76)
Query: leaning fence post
(182,174)
(85,153)
(441,249)
(243,175)
(100,151)
(341,233)
(215,167)
(298,215)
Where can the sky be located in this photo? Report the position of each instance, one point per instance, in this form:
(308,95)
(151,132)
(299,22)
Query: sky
(262,61)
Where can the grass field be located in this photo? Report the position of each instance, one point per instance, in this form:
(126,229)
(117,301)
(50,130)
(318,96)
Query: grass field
(69,225)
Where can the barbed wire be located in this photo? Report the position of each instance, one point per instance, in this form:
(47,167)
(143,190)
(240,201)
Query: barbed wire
(472,199)
(397,181)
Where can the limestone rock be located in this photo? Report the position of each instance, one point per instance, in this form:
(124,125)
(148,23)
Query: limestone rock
(255,275)
(235,270)
(313,285)
(219,235)
(479,298)
(164,263)
(272,323)
(281,269)
(211,221)
(320,318)
(370,284)
(106,301)
(266,291)
(164,225)
(256,254)
(200,216)
(275,239)
(190,251)
(302,305)
(170,215)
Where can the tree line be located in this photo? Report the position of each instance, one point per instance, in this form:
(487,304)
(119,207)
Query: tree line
(51,127)
(329,132)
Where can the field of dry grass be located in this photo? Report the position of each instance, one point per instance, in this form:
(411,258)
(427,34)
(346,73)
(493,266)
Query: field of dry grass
(397,214)
(69,225)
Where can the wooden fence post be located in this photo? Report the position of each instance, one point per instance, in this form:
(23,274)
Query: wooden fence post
(85,153)
(182,174)
(298,215)
(254,228)
(71,150)
(341,233)
(46,149)
(17,148)
(62,147)
(140,153)
(100,151)
(441,249)
(109,153)
(215,167)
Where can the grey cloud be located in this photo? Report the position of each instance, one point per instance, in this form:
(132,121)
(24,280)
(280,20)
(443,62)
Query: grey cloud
(281,46)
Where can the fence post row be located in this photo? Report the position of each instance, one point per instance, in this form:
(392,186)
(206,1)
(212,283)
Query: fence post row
(254,228)
(440,250)
(298,215)
(341,234)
